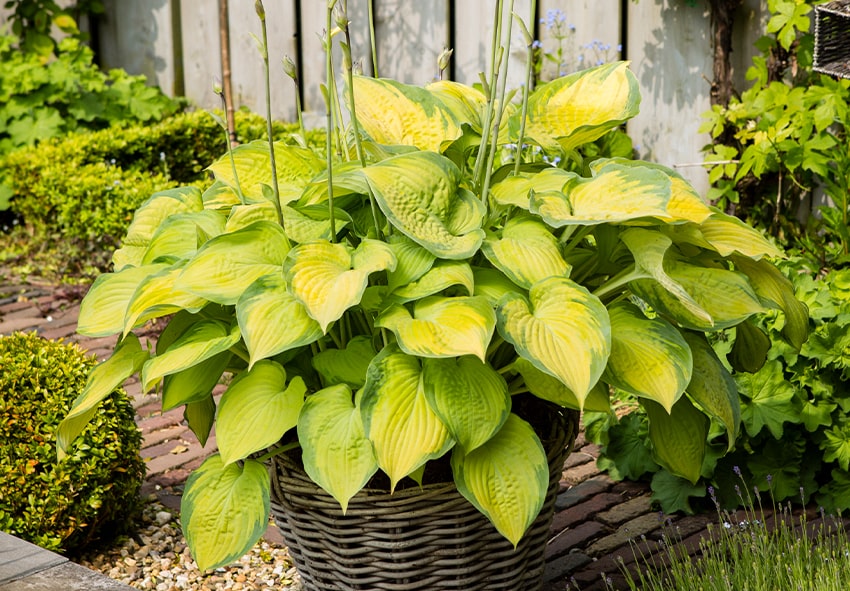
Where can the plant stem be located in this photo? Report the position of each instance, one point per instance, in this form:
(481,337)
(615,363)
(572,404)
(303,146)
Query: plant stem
(265,53)
(329,119)
(494,65)
(349,79)
(372,41)
(277,451)
(620,279)
(526,90)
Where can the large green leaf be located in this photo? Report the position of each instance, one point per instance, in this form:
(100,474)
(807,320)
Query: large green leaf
(506,478)
(295,167)
(442,275)
(526,252)
(576,109)
(195,383)
(442,327)
(562,329)
(202,340)
(156,296)
(516,190)
(466,103)
(394,113)
(312,222)
(103,309)
(492,285)
(126,360)
(346,366)
(616,193)
(225,266)
(224,510)
(727,234)
(649,356)
(413,261)
(200,416)
(337,454)
(272,320)
(469,396)
(678,437)
(750,349)
(713,388)
(242,216)
(549,388)
(330,278)
(404,430)
(149,218)
(420,195)
(257,409)
(180,235)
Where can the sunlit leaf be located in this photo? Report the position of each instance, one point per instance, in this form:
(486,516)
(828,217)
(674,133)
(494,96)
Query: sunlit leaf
(442,275)
(526,252)
(550,388)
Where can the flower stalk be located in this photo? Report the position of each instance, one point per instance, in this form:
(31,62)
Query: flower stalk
(264,52)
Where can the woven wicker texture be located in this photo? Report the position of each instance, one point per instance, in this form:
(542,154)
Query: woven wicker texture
(832,38)
(415,539)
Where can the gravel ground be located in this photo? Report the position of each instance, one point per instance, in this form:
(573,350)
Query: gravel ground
(156,558)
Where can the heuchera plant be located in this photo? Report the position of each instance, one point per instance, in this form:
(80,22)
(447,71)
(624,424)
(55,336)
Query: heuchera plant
(385,301)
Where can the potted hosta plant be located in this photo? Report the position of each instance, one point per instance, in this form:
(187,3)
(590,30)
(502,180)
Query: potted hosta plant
(387,313)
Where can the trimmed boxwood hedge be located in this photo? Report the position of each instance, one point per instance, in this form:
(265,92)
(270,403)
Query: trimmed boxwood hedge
(92,494)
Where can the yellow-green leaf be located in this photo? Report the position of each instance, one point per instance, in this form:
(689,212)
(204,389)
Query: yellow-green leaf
(257,409)
(126,360)
(226,265)
(469,396)
(526,252)
(272,320)
(404,430)
(194,384)
(180,235)
(330,278)
(678,437)
(550,388)
(440,276)
(413,261)
(649,356)
(156,296)
(442,326)
(506,478)
(337,455)
(224,510)
(492,285)
(561,329)
(242,216)
(420,195)
(345,366)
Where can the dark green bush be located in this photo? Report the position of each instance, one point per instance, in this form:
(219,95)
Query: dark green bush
(93,492)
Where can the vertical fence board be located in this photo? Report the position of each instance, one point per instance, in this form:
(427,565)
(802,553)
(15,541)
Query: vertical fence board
(411,36)
(670,49)
(246,63)
(201,56)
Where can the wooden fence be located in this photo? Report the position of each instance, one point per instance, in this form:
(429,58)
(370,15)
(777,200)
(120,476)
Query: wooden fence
(176,44)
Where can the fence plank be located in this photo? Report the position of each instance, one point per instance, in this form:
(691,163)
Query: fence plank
(411,36)
(201,56)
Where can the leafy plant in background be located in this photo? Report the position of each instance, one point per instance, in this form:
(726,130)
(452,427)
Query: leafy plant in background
(795,411)
(784,141)
(33,20)
(378,307)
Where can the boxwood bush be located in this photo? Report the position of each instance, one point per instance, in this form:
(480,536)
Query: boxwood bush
(92,493)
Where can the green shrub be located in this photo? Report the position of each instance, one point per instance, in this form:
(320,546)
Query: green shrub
(92,493)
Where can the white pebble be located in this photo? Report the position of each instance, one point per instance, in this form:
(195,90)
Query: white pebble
(162,517)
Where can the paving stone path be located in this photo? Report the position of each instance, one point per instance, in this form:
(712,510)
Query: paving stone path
(597,522)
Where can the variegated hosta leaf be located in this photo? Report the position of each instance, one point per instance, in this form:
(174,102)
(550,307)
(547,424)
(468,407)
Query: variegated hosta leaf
(727,234)
(579,108)
(156,296)
(312,222)
(725,295)
(678,437)
(404,430)
(394,113)
(226,265)
(516,190)
(242,216)
(220,196)
(330,278)
(413,261)
(649,250)
(685,203)
(346,179)
(506,478)
(337,454)
(469,396)
(492,285)
(713,388)
(562,329)
(616,193)
(224,510)
(149,217)
(550,388)
(346,366)
(526,252)
(257,409)
(194,384)
(180,235)
(442,275)
(126,360)
(466,103)
(295,167)
(777,291)
(272,320)
(103,309)
(442,327)
(419,194)
(649,356)
(201,341)
(200,416)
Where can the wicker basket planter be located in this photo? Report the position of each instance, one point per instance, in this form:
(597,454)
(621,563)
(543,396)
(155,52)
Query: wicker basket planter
(832,38)
(415,539)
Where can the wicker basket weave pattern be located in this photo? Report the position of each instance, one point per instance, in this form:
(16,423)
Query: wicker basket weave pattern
(414,539)
(832,38)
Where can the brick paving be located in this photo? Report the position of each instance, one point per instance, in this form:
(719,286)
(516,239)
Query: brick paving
(598,523)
